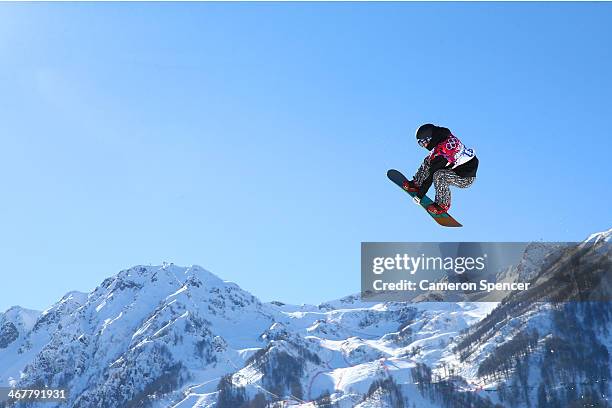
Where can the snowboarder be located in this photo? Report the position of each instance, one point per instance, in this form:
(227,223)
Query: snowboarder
(450,163)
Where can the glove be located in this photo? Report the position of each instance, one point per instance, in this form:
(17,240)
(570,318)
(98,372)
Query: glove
(410,186)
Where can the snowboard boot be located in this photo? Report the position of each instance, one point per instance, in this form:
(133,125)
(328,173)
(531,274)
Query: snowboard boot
(436,208)
(410,186)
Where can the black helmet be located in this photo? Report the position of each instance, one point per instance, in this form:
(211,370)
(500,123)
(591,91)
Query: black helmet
(425,131)
(429,136)
(424,134)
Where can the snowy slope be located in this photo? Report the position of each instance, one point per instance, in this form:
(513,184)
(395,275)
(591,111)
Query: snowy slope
(15,324)
(599,237)
(170,336)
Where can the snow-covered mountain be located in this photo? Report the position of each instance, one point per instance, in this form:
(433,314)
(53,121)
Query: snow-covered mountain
(170,336)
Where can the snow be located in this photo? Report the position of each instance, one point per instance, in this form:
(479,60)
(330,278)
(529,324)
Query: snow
(598,237)
(143,305)
(213,327)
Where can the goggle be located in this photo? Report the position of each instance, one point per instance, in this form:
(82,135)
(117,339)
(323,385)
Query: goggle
(424,142)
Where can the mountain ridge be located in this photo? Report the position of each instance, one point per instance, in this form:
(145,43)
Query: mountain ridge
(181,336)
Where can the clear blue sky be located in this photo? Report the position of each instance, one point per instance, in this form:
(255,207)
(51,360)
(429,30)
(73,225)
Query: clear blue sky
(253,139)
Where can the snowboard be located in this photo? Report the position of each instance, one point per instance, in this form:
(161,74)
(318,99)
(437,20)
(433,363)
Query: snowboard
(443,219)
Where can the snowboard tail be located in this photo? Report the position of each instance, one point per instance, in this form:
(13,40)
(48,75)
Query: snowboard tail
(443,219)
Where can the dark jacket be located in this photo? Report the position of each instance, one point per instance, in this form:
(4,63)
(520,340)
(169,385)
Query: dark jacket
(447,152)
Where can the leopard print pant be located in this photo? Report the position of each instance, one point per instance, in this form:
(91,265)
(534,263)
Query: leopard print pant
(442,180)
